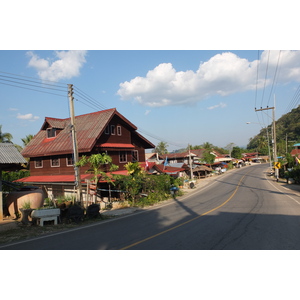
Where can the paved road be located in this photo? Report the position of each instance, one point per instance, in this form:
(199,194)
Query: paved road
(238,210)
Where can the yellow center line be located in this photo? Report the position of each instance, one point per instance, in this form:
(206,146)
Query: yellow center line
(184,223)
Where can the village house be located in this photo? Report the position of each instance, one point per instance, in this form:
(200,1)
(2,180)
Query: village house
(296,151)
(51,150)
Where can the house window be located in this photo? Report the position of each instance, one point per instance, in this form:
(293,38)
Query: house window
(55,162)
(51,132)
(119,132)
(107,130)
(70,161)
(38,163)
(135,155)
(112,129)
(123,156)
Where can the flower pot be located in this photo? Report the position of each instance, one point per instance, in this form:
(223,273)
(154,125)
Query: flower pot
(48,214)
(43,213)
(25,215)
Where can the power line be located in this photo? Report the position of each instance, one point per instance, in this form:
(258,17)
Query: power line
(21,87)
(274,77)
(37,80)
(265,78)
(294,101)
(28,84)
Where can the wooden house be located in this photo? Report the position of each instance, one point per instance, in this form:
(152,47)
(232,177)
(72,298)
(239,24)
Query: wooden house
(51,149)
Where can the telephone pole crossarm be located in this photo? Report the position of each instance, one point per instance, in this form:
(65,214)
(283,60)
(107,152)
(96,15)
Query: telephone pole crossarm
(274,135)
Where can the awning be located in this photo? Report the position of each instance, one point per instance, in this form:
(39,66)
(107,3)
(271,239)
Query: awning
(53,178)
(118,146)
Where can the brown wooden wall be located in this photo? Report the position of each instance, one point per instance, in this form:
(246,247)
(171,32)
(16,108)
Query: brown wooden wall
(126,137)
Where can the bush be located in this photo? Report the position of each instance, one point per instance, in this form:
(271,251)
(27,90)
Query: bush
(143,189)
(295,174)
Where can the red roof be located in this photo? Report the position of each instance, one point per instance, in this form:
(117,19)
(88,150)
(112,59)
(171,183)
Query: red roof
(53,178)
(89,128)
(168,170)
(116,145)
(295,152)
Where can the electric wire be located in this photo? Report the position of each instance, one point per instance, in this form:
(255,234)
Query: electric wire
(274,77)
(15,80)
(28,84)
(37,80)
(294,101)
(21,87)
(267,67)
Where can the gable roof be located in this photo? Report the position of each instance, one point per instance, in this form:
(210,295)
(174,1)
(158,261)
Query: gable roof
(10,156)
(89,128)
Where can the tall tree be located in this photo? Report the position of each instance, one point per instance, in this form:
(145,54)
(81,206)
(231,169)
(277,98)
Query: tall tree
(237,152)
(207,146)
(161,148)
(5,137)
(208,158)
(27,139)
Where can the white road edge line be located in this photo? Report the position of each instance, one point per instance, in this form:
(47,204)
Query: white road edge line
(281,191)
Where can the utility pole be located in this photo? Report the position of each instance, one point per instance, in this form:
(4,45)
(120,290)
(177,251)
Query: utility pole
(274,136)
(190,163)
(75,147)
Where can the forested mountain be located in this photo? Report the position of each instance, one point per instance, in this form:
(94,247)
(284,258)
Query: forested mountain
(287,133)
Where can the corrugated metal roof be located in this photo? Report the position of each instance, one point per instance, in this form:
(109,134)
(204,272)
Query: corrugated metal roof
(9,154)
(89,128)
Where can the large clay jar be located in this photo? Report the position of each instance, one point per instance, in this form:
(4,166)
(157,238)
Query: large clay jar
(16,200)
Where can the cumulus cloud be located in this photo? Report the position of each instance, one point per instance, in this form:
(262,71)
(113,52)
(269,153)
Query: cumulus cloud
(223,74)
(29,117)
(66,66)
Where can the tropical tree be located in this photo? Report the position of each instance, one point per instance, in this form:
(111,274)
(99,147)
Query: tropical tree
(208,157)
(5,137)
(237,152)
(133,168)
(207,145)
(98,163)
(161,148)
(27,139)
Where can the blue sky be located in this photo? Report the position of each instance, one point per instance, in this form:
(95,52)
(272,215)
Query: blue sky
(154,64)
(180,97)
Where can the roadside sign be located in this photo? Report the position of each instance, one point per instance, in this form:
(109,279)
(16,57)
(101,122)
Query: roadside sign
(277,165)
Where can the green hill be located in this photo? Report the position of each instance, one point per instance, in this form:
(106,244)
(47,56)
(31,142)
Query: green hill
(287,133)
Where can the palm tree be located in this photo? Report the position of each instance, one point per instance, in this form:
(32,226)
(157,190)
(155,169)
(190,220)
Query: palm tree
(27,139)
(207,146)
(161,148)
(5,137)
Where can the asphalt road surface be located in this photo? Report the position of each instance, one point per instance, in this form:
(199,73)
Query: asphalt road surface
(243,209)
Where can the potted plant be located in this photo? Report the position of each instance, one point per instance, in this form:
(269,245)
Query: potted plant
(26,211)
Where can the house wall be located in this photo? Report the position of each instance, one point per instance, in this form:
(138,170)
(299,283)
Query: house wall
(48,169)
(117,132)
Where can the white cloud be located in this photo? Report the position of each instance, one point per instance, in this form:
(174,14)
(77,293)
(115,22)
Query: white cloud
(223,74)
(29,117)
(66,66)
(220,105)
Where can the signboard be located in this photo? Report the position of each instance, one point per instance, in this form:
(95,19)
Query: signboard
(277,165)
